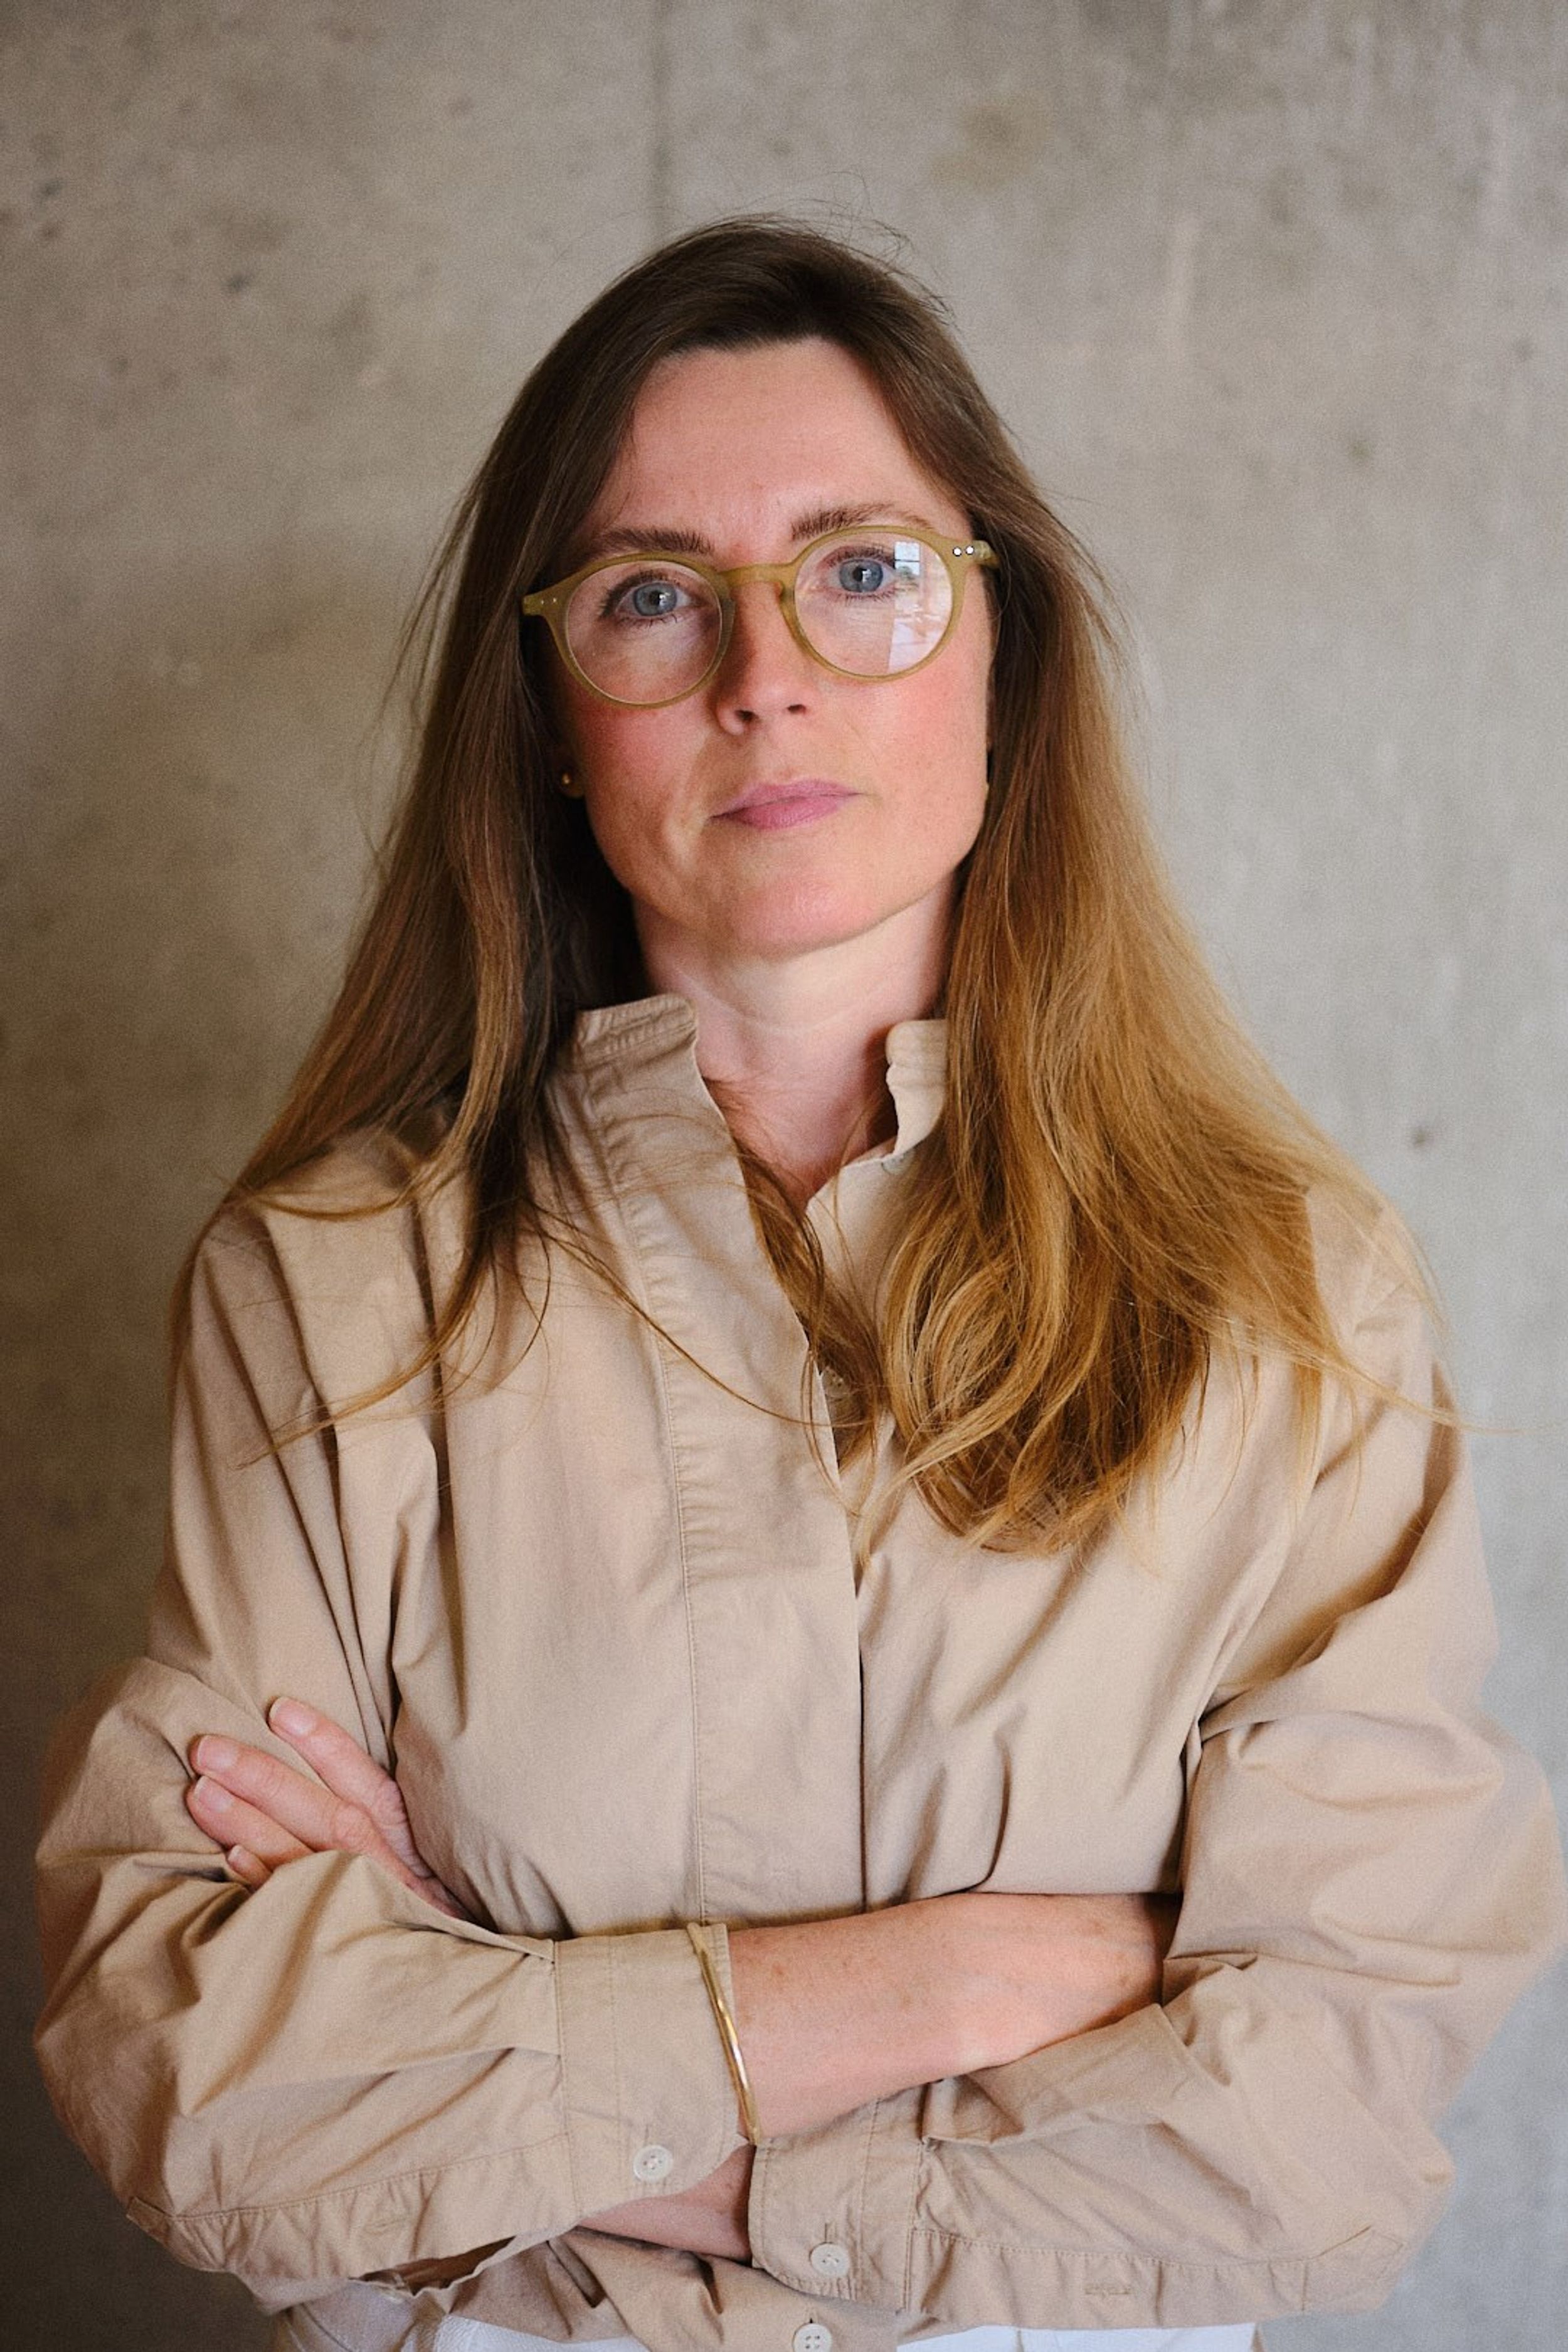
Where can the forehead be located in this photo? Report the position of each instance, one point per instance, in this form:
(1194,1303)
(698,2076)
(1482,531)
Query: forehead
(731,446)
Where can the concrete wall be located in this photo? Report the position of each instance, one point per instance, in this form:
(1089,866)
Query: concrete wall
(1274,295)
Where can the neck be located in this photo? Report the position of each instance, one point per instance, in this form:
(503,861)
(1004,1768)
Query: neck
(794,1049)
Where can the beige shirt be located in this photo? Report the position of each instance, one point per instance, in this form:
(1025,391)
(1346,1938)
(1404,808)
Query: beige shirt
(602,1616)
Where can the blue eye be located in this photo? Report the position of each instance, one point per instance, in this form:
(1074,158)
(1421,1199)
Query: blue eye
(650,600)
(863,575)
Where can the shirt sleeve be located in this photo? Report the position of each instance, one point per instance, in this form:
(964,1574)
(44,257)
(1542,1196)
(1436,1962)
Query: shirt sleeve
(324,2078)
(1369,1877)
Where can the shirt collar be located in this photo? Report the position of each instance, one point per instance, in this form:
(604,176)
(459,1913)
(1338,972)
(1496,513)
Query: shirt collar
(917,1077)
(646,1027)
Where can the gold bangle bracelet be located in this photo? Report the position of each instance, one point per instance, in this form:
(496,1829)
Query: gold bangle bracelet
(723,2017)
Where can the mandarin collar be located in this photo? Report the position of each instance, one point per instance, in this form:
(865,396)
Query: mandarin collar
(644,1028)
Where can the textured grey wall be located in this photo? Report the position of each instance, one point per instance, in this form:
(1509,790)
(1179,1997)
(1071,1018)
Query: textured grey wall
(1274,295)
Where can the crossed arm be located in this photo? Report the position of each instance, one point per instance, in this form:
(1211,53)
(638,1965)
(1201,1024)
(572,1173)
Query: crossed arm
(1368,1872)
(831,2012)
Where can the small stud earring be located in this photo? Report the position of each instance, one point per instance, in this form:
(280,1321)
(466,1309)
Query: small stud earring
(569,786)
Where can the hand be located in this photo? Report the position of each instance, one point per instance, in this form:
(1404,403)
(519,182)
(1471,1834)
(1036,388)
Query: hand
(264,1814)
(709,2218)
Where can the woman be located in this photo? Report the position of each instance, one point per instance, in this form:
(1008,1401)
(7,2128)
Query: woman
(787,1372)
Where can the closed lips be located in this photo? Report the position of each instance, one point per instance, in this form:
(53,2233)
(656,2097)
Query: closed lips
(801,788)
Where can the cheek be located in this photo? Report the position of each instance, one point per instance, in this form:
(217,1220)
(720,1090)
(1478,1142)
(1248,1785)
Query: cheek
(580,723)
(947,727)
(629,770)
(956,734)
(604,744)
(615,746)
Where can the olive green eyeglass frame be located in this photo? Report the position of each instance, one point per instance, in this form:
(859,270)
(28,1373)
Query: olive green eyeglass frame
(956,557)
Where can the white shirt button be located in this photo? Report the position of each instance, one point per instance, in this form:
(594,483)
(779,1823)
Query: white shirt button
(829,2260)
(813,2337)
(653,2162)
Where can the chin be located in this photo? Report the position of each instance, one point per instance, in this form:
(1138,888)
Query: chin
(778,934)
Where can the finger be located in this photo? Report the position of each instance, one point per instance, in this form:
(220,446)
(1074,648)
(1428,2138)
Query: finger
(246,1866)
(284,1801)
(321,1821)
(425,1884)
(349,1773)
(266,1847)
(358,1780)
(230,1822)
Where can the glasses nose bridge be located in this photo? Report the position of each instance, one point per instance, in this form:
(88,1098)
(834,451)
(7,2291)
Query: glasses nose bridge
(781,575)
(781,578)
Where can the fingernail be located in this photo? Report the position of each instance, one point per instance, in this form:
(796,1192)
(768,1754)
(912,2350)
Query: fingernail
(214,1754)
(292,1716)
(216,1798)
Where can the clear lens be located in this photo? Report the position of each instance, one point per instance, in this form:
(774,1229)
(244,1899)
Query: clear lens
(643,632)
(874,602)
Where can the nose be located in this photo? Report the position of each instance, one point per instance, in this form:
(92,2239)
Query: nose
(764,673)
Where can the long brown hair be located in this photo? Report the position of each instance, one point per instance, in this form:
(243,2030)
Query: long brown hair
(1117,1188)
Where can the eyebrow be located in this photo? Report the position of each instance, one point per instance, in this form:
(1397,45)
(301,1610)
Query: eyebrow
(670,538)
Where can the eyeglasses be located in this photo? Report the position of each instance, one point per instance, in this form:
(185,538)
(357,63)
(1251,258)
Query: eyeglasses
(876,600)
